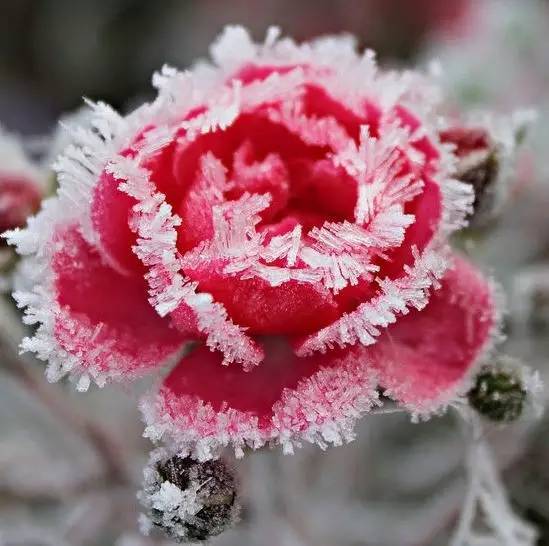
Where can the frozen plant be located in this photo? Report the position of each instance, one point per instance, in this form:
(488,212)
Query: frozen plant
(503,389)
(22,187)
(190,501)
(486,147)
(21,183)
(275,227)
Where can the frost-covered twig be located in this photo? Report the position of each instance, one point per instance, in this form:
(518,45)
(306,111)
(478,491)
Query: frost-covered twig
(502,527)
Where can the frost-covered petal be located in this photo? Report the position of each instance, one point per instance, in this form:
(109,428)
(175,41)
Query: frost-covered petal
(110,213)
(285,400)
(425,358)
(291,308)
(111,208)
(103,321)
(427,211)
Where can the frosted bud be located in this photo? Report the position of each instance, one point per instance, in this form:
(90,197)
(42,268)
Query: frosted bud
(190,501)
(19,198)
(499,393)
(480,169)
(478,164)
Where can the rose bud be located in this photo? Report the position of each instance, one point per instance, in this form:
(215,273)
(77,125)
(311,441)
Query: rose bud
(477,165)
(501,390)
(19,199)
(189,500)
(485,154)
(20,185)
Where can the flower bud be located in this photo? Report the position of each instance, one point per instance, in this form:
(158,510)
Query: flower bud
(189,500)
(498,394)
(479,166)
(486,150)
(19,199)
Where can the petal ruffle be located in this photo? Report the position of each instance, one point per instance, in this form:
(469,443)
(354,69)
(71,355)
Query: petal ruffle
(203,406)
(104,322)
(425,357)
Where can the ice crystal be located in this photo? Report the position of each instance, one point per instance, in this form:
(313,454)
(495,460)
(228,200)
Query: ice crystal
(188,500)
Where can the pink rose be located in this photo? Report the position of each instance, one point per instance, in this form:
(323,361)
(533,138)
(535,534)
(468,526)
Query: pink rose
(287,210)
(20,184)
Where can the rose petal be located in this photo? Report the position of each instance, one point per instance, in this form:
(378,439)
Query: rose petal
(106,321)
(204,405)
(317,102)
(252,73)
(291,308)
(321,187)
(267,176)
(426,208)
(427,211)
(424,357)
(111,210)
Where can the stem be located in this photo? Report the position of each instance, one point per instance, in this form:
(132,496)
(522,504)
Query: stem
(485,492)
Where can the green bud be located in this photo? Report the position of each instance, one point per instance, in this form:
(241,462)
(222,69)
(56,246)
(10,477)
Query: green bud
(498,395)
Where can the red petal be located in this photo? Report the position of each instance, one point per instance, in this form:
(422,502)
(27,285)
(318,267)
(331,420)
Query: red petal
(111,210)
(466,139)
(318,103)
(427,209)
(197,208)
(292,308)
(424,357)
(321,187)
(286,398)
(423,144)
(267,176)
(106,320)
(252,73)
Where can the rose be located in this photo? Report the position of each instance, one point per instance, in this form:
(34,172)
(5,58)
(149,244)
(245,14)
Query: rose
(19,199)
(20,184)
(286,209)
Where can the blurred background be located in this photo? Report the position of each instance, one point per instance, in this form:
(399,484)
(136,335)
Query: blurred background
(54,51)
(70,463)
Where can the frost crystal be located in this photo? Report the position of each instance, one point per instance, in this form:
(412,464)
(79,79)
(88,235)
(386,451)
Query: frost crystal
(188,500)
